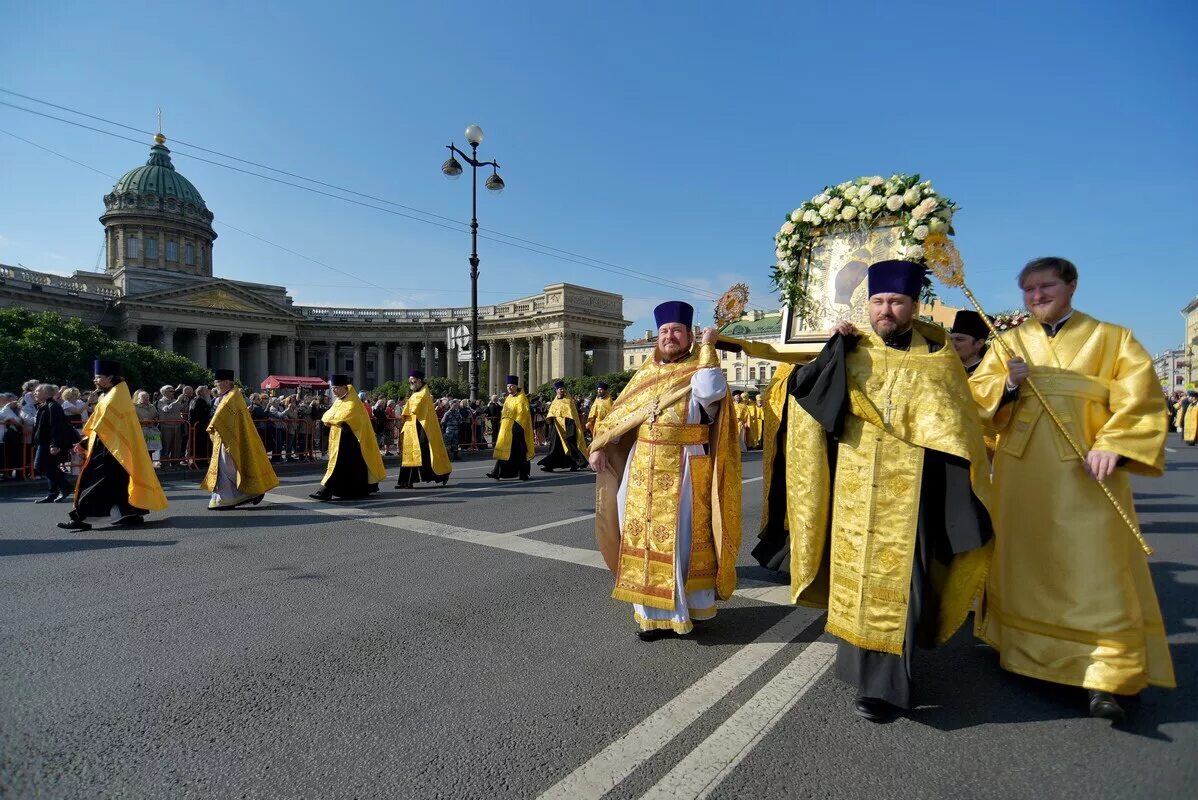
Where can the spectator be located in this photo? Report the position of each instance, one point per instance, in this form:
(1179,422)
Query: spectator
(53,439)
(171,412)
(199,414)
(451,422)
(148,415)
(12,436)
(494,412)
(77,413)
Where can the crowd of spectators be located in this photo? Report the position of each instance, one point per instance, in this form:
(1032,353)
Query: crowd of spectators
(175,419)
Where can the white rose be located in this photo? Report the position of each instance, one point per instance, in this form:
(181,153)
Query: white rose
(864,192)
(921,232)
(873,202)
(894,202)
(926,206)
(850,192)
(796,215)
(876,181)
(848,213)
(836,203)
(827,211)
(811,217)
(935,224)
(779,253)
(821,199)
(843,186)
(914,252)
(789,227)
(911,196)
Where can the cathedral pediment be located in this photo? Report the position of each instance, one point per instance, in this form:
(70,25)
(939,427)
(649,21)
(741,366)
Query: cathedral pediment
(211,296)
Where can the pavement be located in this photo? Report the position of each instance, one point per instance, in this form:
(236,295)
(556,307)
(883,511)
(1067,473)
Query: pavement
(461,642)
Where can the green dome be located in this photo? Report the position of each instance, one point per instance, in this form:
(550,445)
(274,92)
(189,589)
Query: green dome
(158,177)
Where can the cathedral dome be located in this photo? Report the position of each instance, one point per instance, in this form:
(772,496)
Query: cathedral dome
(159,177)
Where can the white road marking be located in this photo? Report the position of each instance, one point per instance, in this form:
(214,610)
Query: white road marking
(549,525)
(501,541)
(611,765)
(705,768)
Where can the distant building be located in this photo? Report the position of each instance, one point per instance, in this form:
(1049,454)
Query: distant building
(1190,342)
(158,289)
(1171,368)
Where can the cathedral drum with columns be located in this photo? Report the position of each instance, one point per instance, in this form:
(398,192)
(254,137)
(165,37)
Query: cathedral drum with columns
(158,289)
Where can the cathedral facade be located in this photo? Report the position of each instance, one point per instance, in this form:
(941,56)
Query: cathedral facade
(158,289)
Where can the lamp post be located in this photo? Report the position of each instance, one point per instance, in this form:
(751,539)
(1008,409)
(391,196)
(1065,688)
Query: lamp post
(453,169)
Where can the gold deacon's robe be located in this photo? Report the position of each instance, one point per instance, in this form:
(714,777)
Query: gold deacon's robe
(660,491)
(421,437)
(232,428)
(118,470)
(755,418)
(561,411)
(742,422)
(518,411)
(348,414)
(1189,427)
(599,411)
(1070,598)
(851,489)
(568,446)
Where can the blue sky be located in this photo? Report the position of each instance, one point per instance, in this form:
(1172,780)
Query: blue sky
(667,138)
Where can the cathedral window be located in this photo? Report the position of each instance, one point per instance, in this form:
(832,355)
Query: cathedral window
(172,250)
(189,254)
(151,249)
(133,247)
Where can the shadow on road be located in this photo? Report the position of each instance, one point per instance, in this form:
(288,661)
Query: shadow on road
(28,547)
(743,624)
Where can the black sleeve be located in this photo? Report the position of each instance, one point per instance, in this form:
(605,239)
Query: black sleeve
(821,387)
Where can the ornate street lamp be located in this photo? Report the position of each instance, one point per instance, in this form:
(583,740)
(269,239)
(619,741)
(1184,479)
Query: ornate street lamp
(453,169)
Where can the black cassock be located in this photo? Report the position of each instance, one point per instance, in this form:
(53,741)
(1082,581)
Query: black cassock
(350,479)
(410,476)
(103,485)
(198,418)
(951,520)
(567,456)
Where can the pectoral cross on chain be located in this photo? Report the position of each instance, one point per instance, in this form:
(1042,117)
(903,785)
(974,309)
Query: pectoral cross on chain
(653,411)
(887,410)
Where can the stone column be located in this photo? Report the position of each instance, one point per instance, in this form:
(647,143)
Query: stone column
(451,357)
(547,357)
(233,356)
(288,363)
(535,378)
(513,358)
(303,358)
(130,331)
(199,347)
(382,367)
(161,250)
(261,360)
(491,379)
(405,355)
(359,365)
(334,358)
(167,342)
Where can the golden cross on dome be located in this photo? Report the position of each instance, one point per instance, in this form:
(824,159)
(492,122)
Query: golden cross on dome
(158,137)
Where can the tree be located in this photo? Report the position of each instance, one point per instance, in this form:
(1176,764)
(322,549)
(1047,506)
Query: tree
(585,385)
(58,349)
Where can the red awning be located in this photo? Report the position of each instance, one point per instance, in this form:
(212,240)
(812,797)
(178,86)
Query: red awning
(293,382)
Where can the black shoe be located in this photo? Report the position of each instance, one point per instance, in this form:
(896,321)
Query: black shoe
(257,500)
(63,498)
(873,709)
(546,469)
(321,496)
(48,499)
(494,475)
(655,634)
(75,525)
(1103,705)
(525,478)
(129,519)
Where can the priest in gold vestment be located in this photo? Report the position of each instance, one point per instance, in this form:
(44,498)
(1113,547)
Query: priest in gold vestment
(567,442)
(355,465)
(599,409)
(117,479)
(514,445)
(1189,421)
(754,421)
(667,496)
(877,490)
(239,471)
(422,448)
(1069,597)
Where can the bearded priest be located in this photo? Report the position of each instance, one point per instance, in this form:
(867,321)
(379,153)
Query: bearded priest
(882,479)
(514,445)
(422,448)
(667,496)
(239,471)
(355,465)
(118,478)
(567,447)
(1070,598)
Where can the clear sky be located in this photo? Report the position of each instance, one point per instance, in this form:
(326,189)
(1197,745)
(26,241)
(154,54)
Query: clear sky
(667,138)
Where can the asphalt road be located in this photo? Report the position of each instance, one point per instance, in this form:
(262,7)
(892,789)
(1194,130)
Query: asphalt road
(462,643)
